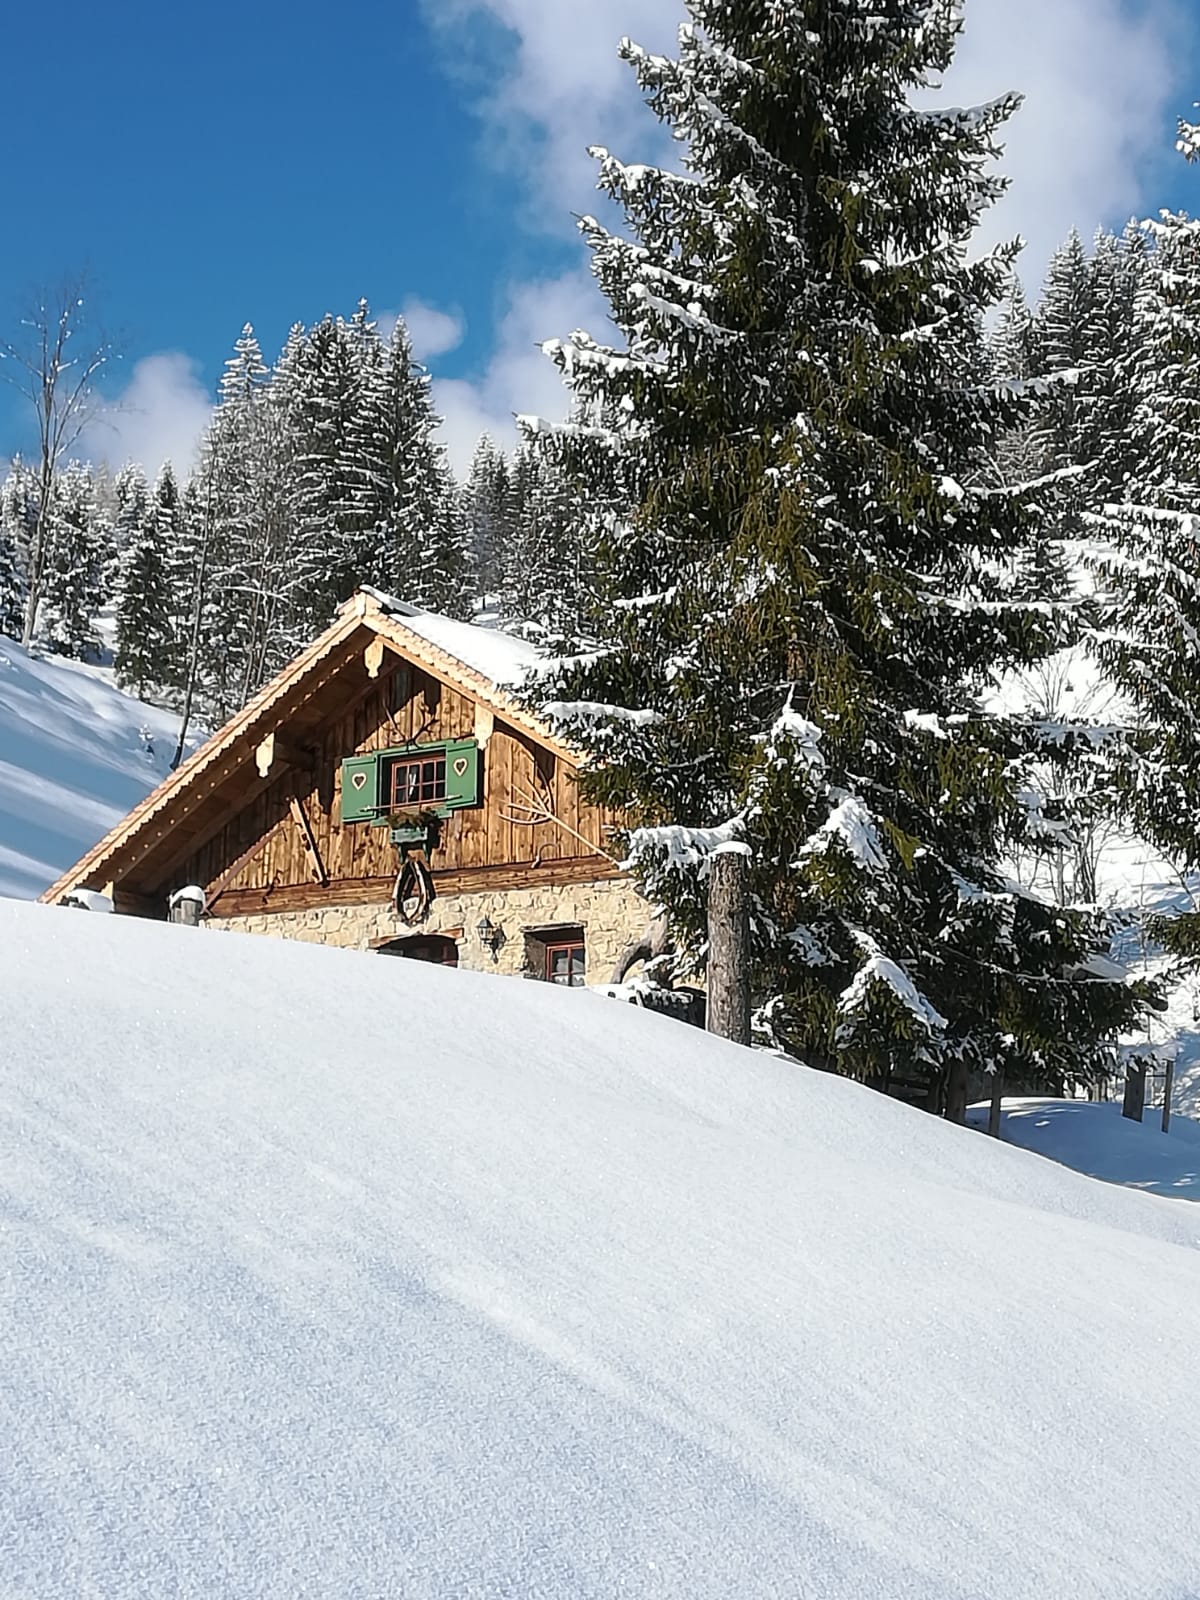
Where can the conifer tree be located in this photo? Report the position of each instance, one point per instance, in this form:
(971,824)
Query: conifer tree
(811,590)
(77,554)
(145,604)
(1118,266)
(1149,551)
(18,523)
(11,585)
(489,510)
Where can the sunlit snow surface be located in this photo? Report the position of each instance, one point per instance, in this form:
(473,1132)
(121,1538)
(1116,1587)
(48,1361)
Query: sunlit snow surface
(337,1277)
(75,756)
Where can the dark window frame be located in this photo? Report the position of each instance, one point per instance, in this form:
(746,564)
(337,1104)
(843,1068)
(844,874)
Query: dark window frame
(576,951)
(430,788)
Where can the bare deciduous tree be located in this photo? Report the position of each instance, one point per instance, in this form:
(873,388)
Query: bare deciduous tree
(53,362)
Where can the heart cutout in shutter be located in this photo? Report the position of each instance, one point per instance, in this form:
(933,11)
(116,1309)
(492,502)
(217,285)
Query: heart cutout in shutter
(460,767)
(359,780)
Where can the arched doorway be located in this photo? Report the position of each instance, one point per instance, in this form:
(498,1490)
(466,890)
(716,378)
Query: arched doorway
(436,947)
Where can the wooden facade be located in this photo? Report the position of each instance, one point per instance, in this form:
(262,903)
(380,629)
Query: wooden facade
(254,818)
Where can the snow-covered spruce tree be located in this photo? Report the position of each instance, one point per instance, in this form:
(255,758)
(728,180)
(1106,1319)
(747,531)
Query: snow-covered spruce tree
(809,594)
(1118,265)
(1148,560)
(12,589)
(321,379)
(566,486)
(145,604)
(77,555)
(419,536)
(18,523)
(488,506)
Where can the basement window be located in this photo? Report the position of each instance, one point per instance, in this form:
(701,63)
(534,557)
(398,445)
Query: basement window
(556,954)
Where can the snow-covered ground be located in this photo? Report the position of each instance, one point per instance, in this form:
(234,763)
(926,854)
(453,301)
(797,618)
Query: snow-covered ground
(75,755)
(327,1276)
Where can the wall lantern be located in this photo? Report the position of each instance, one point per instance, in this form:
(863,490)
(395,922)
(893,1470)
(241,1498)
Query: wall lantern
(490,937)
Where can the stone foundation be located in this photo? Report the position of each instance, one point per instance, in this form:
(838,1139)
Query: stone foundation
(611,913)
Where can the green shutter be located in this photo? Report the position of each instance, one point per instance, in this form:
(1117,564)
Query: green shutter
(360,788)
(462,774)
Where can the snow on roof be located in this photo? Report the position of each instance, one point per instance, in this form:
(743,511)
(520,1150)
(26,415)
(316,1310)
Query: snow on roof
(499,656)
(559,1300)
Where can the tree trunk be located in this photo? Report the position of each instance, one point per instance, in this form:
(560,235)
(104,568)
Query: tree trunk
(956,1093)
(729,947)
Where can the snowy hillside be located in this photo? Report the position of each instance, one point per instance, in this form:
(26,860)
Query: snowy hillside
(331,1276)
(75,755)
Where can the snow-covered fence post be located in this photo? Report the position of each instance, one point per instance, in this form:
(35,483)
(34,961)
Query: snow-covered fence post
(729,945)
(1134,1104)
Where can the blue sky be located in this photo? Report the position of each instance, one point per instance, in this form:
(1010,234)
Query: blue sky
(269,161)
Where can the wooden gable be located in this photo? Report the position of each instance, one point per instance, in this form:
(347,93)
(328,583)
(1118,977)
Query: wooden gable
(255,817)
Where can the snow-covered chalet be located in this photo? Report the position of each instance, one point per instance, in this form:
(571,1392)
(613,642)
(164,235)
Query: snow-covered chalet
(384,792)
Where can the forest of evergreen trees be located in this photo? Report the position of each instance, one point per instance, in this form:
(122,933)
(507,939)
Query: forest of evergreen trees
(317,474)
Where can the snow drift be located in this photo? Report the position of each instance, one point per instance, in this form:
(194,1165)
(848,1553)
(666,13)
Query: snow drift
(75,755)
(326,1275)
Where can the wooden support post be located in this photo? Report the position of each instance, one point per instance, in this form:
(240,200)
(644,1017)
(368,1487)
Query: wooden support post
(1135,1091)
(729,946)
(1168,1087)
(994,1109)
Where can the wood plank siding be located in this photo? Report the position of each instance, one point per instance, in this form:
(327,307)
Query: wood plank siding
(402,707)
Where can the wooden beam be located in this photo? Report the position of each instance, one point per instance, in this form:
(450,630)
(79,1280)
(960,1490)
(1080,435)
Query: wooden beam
(378,891)
(218,886)
(309,840)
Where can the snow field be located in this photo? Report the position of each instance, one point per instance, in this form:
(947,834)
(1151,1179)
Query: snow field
(331,1276)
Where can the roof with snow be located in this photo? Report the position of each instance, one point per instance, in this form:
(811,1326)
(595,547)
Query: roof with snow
(476,661)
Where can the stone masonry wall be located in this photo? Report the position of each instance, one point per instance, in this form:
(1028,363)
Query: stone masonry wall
(611,914)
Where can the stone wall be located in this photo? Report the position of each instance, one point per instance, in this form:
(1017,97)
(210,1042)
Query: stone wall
(611,914)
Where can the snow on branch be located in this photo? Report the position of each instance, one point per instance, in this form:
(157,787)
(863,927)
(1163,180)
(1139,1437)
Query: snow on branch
(1188,143)
(852,826)
(803,736)
(879,969)
(678,848)
(982,118)
(592,713)
(690,317)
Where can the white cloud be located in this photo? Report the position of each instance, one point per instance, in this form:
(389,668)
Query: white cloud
(433,331)
(566,88)
(1101,87)
(518,377)
(1100,84)
(159,416)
